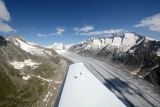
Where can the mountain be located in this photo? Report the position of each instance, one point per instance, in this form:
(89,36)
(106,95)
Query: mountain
(138,54)
(29,47)
(115,41)
(59,47)
(28,73)
(146,56)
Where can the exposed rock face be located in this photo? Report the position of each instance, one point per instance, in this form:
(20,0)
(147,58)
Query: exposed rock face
(2,41)
(27,73)
(146,56)
(118,41)
(128,48)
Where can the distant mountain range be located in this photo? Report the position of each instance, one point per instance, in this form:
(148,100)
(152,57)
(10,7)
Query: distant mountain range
(59,47)
(27,71)
(139,54)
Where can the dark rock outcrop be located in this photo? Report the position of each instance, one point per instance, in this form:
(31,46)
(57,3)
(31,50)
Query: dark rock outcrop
(3,41)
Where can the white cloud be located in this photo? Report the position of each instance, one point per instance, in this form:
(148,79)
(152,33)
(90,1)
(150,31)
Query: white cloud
(4,17)
(102,32)
(41,35)
(89,30)
(4,14)
(6,28)
(152,22)
(58,31)
(86,28)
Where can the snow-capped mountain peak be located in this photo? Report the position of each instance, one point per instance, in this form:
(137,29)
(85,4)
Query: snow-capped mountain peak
(59,47)
(56,46)
(122,41)
(28,46)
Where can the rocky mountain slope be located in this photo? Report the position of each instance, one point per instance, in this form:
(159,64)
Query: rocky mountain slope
(30,75)
(138,54)
(120,41)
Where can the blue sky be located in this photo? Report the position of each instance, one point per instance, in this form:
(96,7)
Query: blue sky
(71,21)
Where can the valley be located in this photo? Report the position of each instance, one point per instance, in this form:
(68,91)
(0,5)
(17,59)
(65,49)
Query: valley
(137,54)
(80,53)
(30,75)
(131,90)
(35,73)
